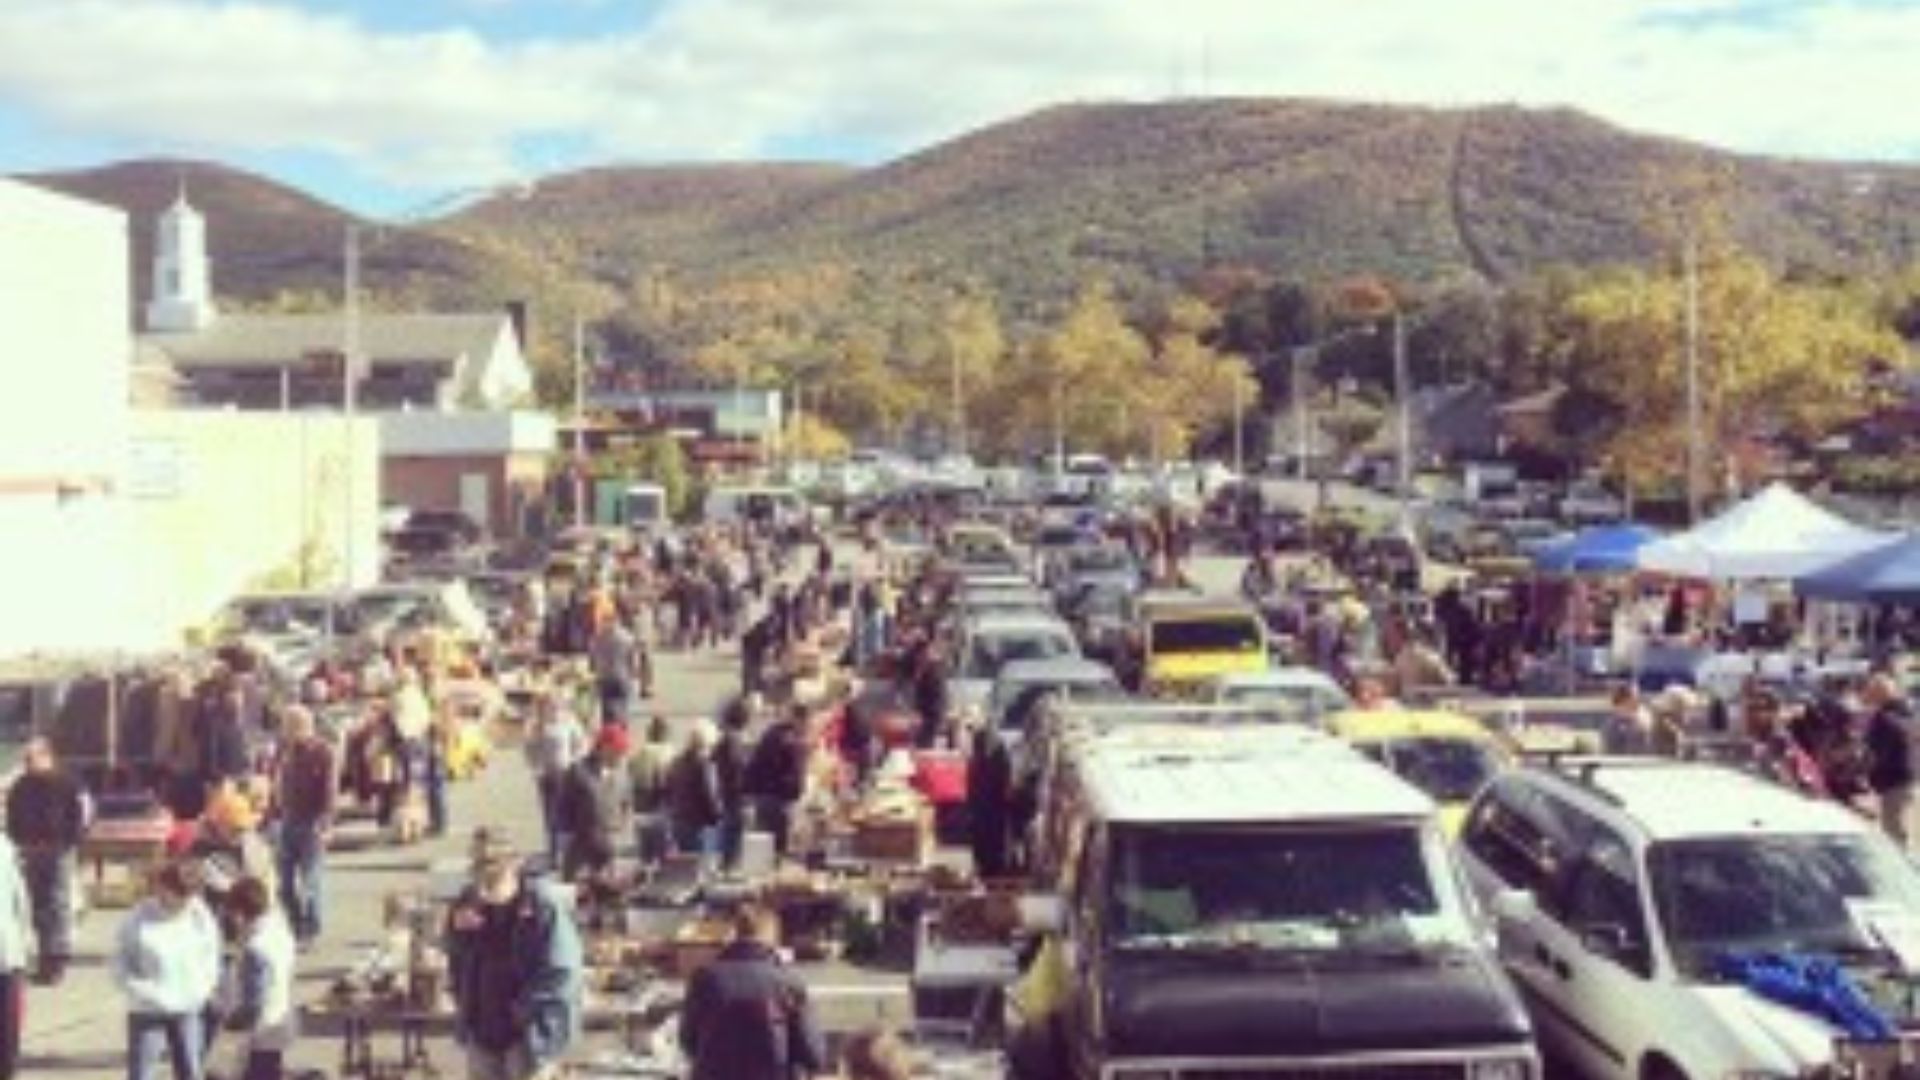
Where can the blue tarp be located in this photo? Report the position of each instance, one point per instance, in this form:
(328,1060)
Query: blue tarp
(1889,574)
(1603,549)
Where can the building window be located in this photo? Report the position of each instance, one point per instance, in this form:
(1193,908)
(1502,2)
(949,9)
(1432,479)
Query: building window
(173,281)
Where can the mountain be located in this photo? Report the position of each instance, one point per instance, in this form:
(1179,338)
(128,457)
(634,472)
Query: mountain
(1311,188)
(1137,192)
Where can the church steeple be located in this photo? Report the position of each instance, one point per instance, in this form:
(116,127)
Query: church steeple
(182,286)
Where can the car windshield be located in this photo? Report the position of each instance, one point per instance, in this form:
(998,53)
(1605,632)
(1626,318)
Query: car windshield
(989,654)
(1057,536)
(1326,890)
(1234,634)
(1833,894)
(1449,770)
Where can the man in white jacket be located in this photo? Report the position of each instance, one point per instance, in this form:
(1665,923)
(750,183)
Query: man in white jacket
(16,941)
(167,963)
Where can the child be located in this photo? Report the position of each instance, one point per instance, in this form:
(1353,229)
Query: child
(260,986)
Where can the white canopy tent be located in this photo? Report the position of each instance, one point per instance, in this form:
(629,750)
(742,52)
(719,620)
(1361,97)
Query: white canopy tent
(1776,534)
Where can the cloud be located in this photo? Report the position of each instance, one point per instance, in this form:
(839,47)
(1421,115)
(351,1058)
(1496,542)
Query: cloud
(729,78)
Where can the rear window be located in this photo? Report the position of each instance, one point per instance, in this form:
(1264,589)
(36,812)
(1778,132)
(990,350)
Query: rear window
(1232,634)
(990,654)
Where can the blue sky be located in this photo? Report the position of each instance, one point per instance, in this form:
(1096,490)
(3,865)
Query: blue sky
(384,105)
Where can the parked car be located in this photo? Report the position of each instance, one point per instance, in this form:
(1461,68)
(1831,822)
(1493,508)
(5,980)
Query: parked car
(1591,504)
(1302,691)
(1447,755)
(985,645)
(1640,899)
(1234,901)
(447,605)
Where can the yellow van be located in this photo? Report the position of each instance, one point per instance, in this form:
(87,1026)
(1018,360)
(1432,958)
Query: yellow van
(1188,644)
(1445,754)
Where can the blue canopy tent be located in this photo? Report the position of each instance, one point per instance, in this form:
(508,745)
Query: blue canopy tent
(1603,549)
(1889,574)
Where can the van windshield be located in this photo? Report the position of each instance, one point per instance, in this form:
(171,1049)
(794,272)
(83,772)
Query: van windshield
(1231,634)
(1385,888)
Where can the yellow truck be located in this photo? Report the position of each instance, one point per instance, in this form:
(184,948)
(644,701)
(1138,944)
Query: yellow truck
(1187,644)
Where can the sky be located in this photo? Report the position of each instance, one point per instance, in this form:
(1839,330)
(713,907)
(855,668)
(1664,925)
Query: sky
(395,106)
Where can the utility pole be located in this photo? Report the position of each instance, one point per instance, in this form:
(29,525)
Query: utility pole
(1239,429)
(1695,451)
(349,397)
(1302,446)
(957,439)
(1059,430)
(579,422)
(1405,408)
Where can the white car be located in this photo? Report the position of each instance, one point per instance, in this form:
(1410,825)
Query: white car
(1630,892)
(1304,692)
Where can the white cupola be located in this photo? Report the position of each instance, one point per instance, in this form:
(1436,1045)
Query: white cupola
(182,286)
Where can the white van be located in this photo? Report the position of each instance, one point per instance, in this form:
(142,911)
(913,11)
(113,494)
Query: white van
(644,507)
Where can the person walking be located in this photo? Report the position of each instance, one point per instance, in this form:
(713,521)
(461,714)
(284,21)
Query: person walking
(259,1006)
(746,1015)
(616,662)
(596,801)
(47,818)
(16,944)
(730,772)
(776,775)
(556,743)
(166,961)
(1890,739)
(304,790)
(647,771)
(989,802)
(516,967)
(693,795)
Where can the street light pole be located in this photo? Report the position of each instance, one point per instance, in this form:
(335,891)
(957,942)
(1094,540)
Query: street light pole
(579,422)
(1302,443)
(1695,452)
(1405,408)
(349,398)
(1239,429)
(958,437)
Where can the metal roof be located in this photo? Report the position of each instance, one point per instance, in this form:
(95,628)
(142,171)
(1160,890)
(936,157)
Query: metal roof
(1677,800)
(246,340)
(1239,774)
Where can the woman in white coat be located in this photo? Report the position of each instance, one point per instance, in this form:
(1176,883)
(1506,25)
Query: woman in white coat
(167,963)
(16,943)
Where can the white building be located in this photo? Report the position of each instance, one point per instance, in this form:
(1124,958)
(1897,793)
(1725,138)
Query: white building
(440,362)
(64,356)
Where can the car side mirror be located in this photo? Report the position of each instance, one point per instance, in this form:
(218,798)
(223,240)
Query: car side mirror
(1514,906)
(1043,913)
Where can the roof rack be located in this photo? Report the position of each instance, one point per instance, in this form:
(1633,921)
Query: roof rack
(1583,769)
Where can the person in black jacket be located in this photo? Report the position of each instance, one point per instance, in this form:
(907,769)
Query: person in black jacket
(730,772)
(989,796)
(1890,749)
(777,775)
(47,818)
(746,1015)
